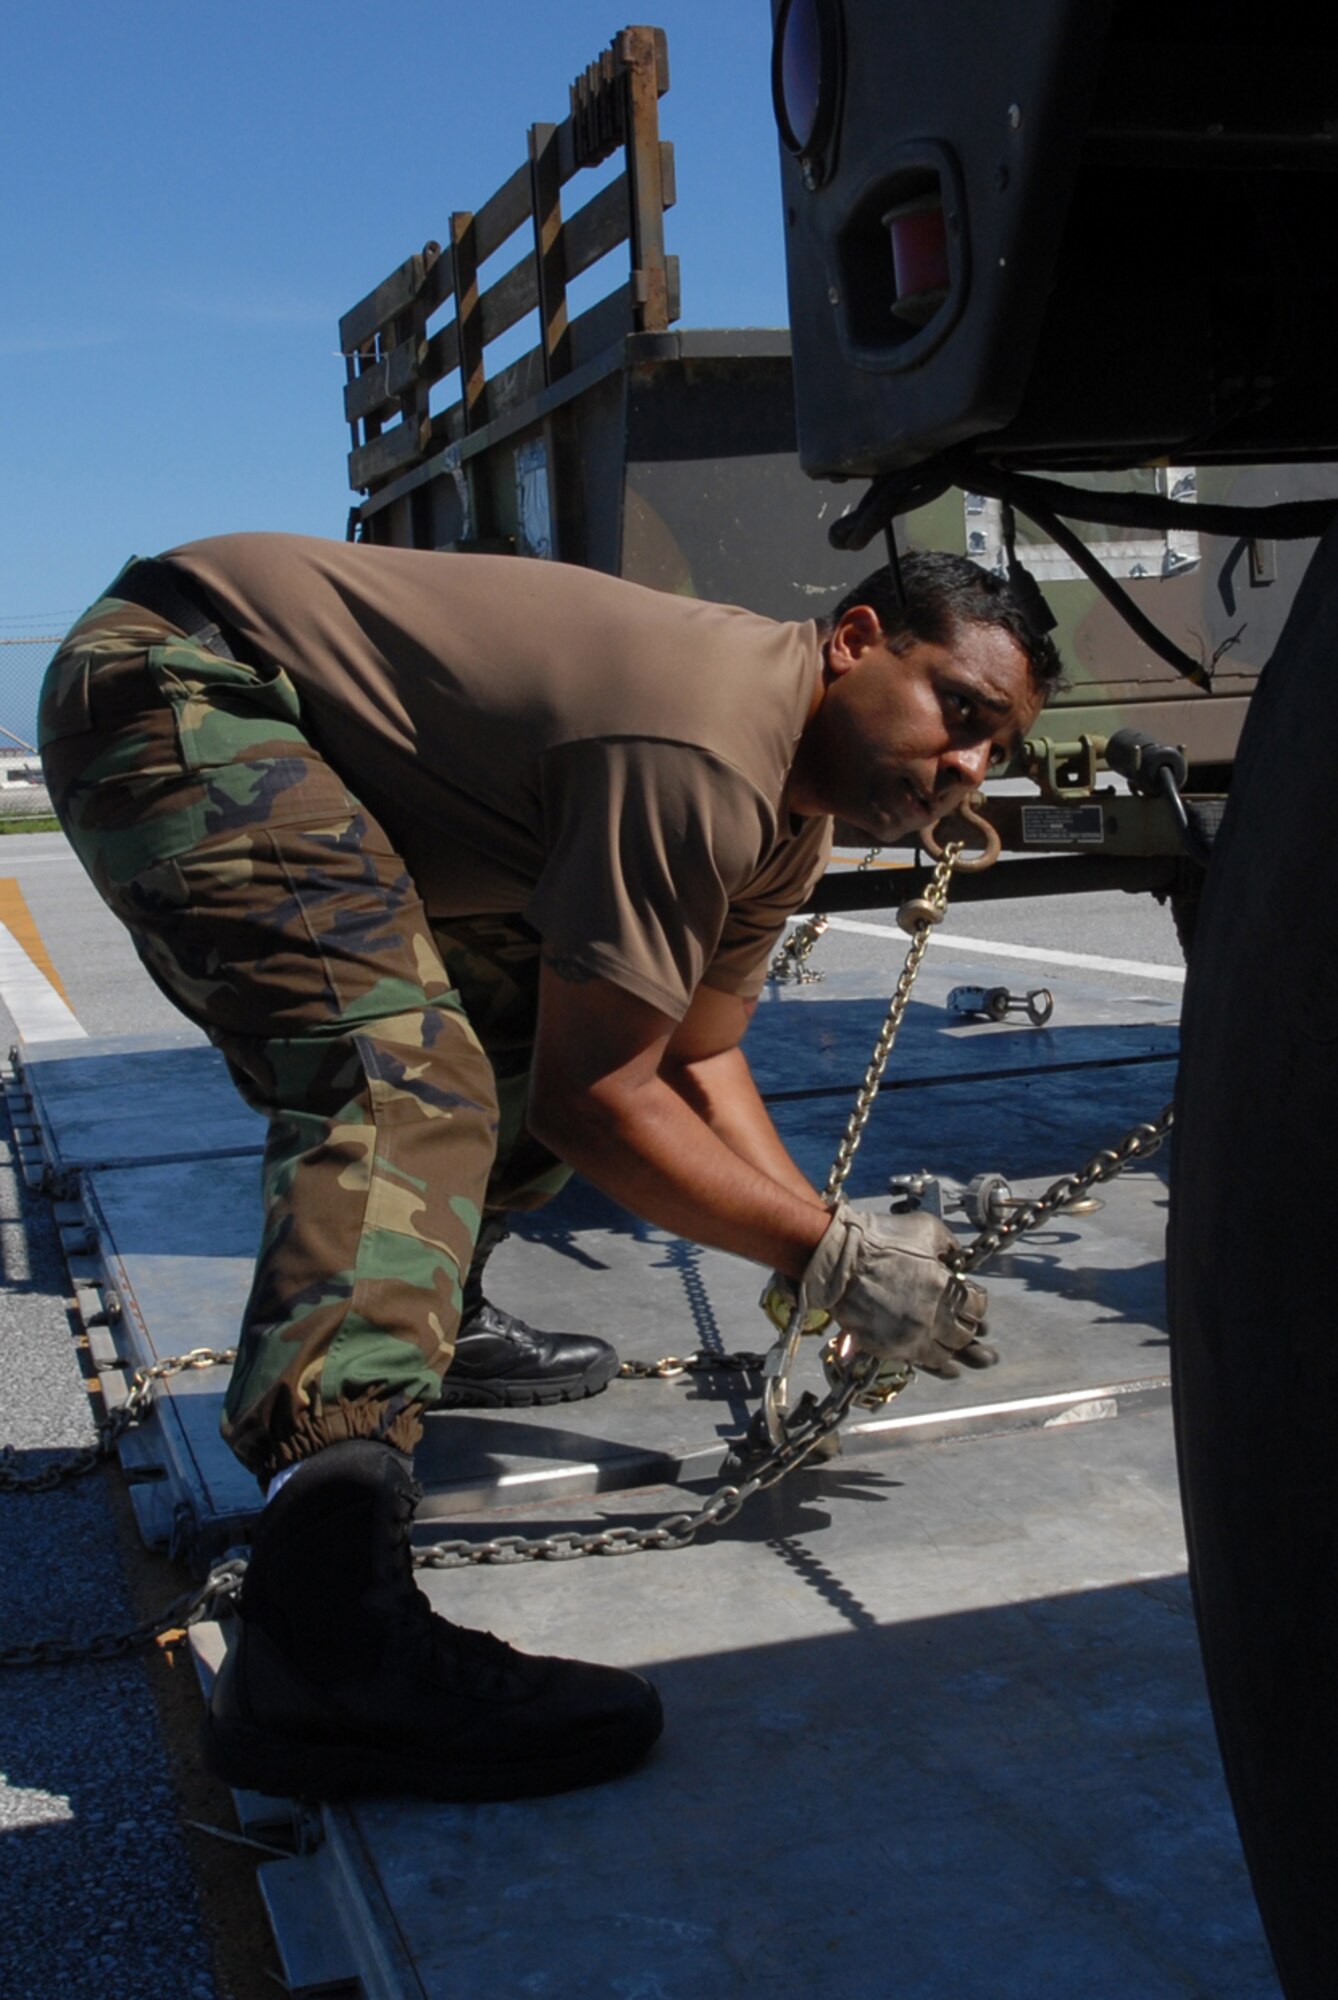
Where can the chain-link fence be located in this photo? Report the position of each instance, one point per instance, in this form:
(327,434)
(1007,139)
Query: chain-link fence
(23,661)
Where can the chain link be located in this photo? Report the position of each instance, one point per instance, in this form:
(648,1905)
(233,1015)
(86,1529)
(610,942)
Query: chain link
(137,1406)
(743,1361)
(671,1531)
(790,966)
(1140,1142)
(219,1590)
(74,1465)
(935,899)
(882,1383)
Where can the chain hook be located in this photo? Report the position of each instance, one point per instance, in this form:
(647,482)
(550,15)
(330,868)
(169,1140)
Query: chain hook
(971,812)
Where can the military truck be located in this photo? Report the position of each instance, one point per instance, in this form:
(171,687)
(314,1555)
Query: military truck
(668,455)
(1061,298)
(1034,244)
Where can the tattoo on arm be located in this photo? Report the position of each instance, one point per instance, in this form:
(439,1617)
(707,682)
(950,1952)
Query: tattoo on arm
(568,966)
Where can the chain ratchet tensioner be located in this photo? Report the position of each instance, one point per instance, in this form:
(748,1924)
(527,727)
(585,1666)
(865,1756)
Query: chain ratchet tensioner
(996,1003)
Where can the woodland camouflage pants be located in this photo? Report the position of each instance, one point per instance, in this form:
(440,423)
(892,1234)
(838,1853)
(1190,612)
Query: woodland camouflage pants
(389,1055)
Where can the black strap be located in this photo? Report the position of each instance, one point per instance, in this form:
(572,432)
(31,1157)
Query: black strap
(158,587)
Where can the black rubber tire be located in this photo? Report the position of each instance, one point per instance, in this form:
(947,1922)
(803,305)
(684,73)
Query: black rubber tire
(1254,1346)
(1186,899)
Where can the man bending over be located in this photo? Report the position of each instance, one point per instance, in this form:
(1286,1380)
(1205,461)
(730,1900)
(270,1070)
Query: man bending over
(472,867)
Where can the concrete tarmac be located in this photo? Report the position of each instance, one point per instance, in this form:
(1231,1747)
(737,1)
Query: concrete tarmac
(108,1893)
(96,1877)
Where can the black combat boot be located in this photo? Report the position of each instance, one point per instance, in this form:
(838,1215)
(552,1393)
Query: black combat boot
(503,1363)
(343,1681)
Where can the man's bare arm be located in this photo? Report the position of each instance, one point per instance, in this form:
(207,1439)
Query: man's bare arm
(706,1065)
(599,1099)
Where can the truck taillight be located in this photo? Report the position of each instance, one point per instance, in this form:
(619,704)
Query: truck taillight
(921,271)
(806,81)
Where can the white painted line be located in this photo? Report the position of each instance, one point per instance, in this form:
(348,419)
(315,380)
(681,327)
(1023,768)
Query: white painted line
(1050,1409)
(549,1472)
(40,1015)
(1173,975)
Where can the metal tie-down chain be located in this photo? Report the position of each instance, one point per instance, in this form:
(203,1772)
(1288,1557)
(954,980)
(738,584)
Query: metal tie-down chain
(219,1589)
(859,1378)
(672,1531)
(918,917)
(855,1378)
(113,1427)
(1140,1142)
(790,966)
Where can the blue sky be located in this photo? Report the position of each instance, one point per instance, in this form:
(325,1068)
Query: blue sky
(197,190)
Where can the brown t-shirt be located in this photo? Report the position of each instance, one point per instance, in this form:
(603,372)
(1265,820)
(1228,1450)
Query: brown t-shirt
(607,760)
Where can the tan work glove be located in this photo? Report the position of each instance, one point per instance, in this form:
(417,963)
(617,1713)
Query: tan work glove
(884,1279)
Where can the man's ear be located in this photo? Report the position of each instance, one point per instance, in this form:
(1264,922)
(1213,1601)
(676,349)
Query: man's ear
(851,637)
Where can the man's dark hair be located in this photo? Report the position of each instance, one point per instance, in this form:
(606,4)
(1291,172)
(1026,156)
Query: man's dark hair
(943,592)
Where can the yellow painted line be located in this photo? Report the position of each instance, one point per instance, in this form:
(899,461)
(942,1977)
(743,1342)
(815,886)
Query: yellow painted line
(38,1012)
(855,861)
(18,920)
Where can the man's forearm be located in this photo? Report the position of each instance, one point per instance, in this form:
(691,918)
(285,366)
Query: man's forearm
(722,1091)
(657,1155)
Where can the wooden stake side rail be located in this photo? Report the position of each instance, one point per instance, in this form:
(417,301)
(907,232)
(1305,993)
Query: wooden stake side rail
(392,360)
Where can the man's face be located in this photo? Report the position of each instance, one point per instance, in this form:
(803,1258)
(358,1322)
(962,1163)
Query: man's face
(899,739)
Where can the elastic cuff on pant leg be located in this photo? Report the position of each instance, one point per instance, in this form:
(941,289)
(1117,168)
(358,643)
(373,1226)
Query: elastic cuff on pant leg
(391,1421)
